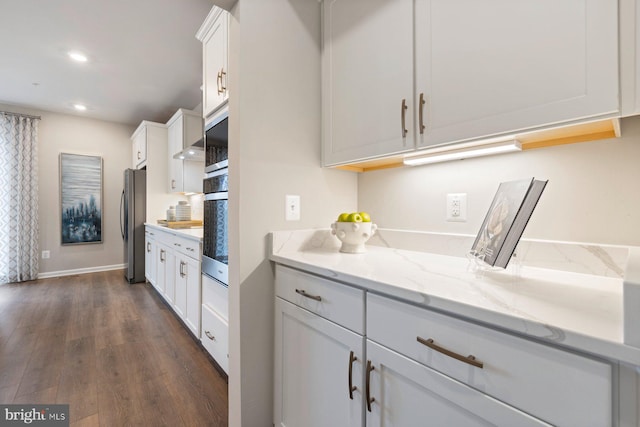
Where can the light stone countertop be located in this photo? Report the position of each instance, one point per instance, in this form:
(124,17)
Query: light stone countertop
(576,310)
(194,233)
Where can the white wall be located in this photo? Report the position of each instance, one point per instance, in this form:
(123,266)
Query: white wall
(593,193)
(59,133)
(274,117)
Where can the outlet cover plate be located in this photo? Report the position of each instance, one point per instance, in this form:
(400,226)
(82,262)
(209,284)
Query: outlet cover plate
(457,207)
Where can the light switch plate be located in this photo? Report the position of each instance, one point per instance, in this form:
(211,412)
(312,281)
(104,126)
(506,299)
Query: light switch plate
(292,207)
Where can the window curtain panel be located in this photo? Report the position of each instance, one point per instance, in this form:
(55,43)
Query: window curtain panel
(18,198)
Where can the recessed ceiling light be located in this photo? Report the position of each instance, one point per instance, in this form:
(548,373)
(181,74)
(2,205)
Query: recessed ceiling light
(78,56)
(80,107)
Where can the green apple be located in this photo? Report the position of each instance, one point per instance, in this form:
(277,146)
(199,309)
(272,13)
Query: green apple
(355,217)
(343,217)
(365,217)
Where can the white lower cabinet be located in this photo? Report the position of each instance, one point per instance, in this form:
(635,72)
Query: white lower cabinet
(150,257)
(318,372)
(215,320)
(414,366)
(402,392)
(175,263)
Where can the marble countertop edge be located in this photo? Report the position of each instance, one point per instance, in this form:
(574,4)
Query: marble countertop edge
(488,301)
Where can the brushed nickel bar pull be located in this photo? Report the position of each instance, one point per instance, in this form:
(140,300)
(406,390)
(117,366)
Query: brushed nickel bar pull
(471,359)
(173,184)
(162,252)
(148,247)
(222,75)
(305,294)
(370,399)
(219,83)
(182,273)
(208,334)
(139,155)
(352,388)
(421,112)
(403,110)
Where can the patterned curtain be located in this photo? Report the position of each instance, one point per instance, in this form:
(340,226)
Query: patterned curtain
(18,197)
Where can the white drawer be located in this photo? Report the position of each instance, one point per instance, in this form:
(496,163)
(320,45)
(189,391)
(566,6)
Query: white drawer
(339,303)
(559,387)
(188,247)
(161,236)
(216,296)
(215,337)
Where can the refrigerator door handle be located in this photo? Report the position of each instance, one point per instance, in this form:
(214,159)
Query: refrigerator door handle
(122,213)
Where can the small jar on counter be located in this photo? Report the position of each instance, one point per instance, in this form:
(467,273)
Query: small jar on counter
(171,213)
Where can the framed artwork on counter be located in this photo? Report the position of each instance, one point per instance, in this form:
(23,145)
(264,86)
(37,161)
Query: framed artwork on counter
(80,199)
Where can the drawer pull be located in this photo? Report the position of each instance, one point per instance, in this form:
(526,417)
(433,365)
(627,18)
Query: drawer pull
(370,399)
(471,360)
(352,388)
(305,294)
(208,334)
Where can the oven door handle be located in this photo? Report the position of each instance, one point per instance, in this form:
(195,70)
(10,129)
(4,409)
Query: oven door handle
(223,195)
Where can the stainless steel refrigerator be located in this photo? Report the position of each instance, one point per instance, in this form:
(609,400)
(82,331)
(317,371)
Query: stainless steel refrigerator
(133,213)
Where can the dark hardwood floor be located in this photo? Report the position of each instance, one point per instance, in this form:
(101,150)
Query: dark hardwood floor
(114,352)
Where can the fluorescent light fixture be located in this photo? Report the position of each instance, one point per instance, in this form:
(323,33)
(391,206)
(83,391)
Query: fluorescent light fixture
(442,154)
(80,107)
(78,56)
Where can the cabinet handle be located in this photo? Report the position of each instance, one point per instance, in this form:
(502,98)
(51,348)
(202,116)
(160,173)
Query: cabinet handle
(148,247)
(139,155)
(162,252)
(208,334)
(370,399)
(173,184)
(305,294)
(403,110)
(352,388)
(471,359)
(182,265)
(223,88)
(420,113)
(177,244)
(219,83)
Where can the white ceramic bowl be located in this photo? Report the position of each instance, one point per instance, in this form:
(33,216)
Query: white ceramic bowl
(353,235)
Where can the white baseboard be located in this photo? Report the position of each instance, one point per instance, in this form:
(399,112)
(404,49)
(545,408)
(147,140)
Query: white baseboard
(75,271)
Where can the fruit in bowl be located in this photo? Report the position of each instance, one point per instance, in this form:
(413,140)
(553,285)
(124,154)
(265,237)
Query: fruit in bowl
(353,230)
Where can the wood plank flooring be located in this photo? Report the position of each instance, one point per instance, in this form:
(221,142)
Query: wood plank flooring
(114,352)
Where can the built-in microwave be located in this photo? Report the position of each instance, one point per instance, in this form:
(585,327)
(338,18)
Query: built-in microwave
(216,142)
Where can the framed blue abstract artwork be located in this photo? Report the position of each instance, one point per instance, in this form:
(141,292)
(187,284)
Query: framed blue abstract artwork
(80,199)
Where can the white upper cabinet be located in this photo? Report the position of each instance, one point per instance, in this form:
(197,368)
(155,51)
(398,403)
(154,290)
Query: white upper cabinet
(214,35)
(466,69)
(139,146)
(185,176)
(496,66)
(367,73)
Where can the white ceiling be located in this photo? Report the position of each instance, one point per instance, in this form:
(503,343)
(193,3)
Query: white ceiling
(144,60)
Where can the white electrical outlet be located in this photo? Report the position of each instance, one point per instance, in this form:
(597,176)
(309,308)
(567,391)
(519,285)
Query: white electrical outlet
(457,207)
(292,207)
(46,254)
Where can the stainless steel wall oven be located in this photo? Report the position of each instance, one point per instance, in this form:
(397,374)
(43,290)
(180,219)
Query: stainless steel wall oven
(215,252)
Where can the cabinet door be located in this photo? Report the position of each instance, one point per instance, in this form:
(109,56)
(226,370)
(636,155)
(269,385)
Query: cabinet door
(367,73)
(191,270)
(175,136)
(180,298)
(313,363)
(408,394)
(161,270)
(214,50)
(170,277)
(140,149)
(150,259)
(496,66)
